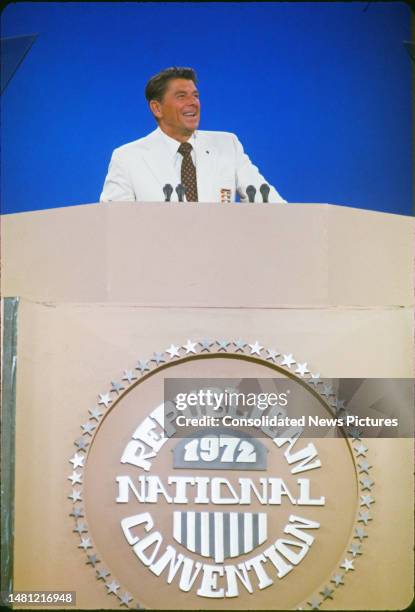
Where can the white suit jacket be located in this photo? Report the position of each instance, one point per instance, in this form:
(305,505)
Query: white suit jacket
(140,169)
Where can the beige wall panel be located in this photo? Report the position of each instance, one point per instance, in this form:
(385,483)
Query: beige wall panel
(372,256)
(59,252)
(211,255)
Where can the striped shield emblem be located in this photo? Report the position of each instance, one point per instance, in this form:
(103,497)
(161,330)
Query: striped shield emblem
(220,535)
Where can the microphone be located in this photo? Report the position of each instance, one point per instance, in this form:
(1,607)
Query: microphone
(180,190)
(250,192)
(264,189)
(167,190)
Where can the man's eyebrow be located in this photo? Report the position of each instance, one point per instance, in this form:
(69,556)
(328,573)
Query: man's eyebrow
(182,91)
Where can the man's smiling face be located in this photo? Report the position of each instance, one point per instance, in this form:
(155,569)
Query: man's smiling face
(178,113)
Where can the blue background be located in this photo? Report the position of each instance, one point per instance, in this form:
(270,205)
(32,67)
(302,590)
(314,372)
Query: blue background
(318,93)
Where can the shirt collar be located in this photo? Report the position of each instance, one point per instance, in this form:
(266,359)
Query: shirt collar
(174,144)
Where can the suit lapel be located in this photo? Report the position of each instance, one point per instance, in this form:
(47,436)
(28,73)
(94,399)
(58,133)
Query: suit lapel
(159,161)
(206,159)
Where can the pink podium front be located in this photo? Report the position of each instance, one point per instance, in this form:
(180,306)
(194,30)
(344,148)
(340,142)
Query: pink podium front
(112,300)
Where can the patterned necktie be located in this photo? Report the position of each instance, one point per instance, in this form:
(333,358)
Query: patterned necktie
(188,173)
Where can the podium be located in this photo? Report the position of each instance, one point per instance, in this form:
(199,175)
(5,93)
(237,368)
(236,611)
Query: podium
(109,294)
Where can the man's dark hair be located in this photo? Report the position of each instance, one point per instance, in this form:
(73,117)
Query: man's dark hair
(157,85)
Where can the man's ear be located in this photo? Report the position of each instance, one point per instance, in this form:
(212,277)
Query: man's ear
(155,107)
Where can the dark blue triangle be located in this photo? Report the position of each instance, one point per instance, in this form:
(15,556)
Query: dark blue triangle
(13,51)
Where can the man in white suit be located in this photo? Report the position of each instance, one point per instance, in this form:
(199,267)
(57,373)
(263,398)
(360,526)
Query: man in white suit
(211,166)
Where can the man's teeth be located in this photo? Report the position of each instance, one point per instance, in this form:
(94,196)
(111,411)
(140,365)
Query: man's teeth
(189,114)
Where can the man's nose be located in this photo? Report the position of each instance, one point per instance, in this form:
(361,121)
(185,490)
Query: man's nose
(192,100)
